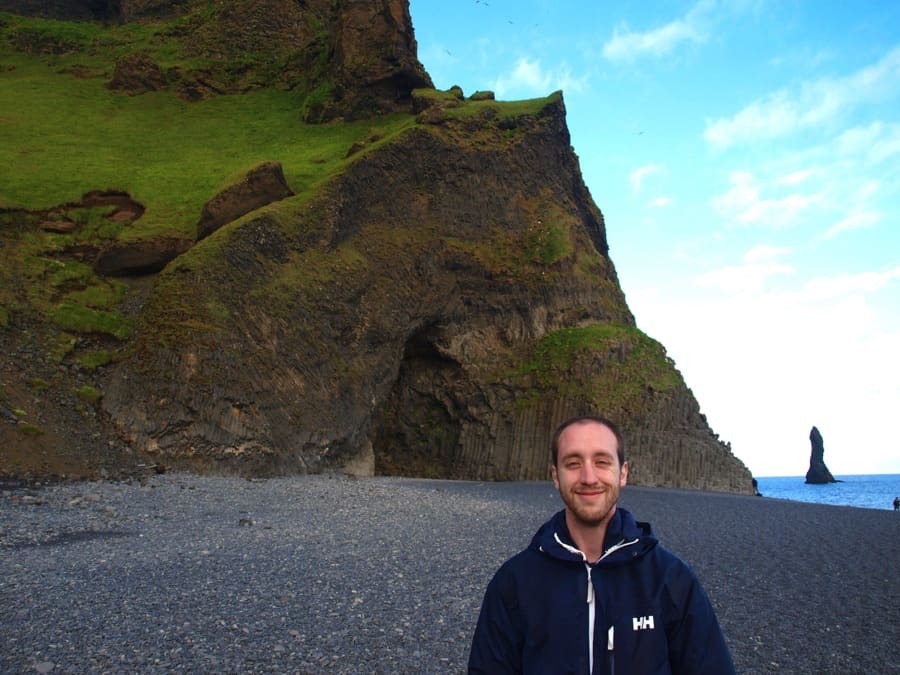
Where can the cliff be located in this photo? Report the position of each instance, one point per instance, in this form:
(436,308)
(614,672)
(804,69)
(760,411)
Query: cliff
(427,292)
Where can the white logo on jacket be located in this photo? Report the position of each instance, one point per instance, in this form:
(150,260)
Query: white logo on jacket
(643,622)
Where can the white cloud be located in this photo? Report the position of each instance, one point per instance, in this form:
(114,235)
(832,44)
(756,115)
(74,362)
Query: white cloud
(854,220)
(876,142)
(798,177)
(745,203)
(660,202)
(529,78)
(627,45)
(859,205)
(843,185)
(828,288)
(810,105)
(526,74)
(638,176)
(764,254)
(759,265)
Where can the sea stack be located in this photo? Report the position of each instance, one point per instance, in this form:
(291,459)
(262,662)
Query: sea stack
(818,472)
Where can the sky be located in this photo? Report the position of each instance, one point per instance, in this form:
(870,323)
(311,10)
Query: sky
(746,157)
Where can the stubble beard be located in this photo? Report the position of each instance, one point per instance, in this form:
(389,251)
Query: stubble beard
(593,516)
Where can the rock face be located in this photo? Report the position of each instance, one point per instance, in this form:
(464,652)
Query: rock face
(364,28)
(433,306)
(456,302)
(818,472)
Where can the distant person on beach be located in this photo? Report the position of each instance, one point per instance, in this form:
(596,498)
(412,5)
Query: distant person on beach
(595,591)
(896,503)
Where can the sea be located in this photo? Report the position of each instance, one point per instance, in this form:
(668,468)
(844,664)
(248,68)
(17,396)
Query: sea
(875,491)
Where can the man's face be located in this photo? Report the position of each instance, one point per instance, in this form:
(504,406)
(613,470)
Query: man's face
(587,472)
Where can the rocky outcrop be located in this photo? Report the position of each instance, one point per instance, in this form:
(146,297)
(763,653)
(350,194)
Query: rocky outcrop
(137,74)
(363,29)
(818,472)
(261,185)
(435,310)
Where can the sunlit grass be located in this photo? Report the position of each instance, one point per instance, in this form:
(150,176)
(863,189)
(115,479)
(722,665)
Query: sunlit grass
(66,136)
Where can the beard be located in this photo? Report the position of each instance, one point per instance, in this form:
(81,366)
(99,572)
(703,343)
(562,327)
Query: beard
(595,511)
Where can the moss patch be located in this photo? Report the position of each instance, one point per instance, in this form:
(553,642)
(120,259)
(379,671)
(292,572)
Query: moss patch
(79,319)
(87,393)
(95,359)
(606,364)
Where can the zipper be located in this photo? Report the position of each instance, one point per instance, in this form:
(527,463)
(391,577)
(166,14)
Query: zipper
(610,649)
(611,633)
(591,599)
(592,613)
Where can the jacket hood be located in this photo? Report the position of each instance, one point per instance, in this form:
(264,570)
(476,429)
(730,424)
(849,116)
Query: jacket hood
(625,539)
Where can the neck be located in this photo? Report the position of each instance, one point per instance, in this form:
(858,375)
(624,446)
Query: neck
(588,537)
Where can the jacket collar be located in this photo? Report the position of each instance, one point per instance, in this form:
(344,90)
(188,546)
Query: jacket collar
(553,538)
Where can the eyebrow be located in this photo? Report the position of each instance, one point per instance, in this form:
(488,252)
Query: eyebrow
(608,454)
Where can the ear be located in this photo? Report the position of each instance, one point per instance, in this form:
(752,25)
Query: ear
(623,479)
(554,477)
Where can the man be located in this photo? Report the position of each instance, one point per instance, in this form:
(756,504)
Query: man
(595,592)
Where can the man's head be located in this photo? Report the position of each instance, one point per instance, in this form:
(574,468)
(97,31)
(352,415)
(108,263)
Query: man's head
(589,469)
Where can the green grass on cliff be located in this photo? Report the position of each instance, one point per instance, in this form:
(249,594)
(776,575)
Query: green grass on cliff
(620,363)
(66,136)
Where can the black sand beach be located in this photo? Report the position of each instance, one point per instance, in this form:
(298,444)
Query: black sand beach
(331,574)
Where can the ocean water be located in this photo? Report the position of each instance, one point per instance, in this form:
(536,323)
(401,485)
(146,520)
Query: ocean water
(876,491)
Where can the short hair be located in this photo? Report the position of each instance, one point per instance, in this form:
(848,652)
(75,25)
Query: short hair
(584,419)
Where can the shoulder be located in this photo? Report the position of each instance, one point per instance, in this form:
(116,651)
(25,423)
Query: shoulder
(672,565)
(521,565)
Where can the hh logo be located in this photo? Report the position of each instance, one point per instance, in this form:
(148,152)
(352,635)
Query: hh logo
(643,622)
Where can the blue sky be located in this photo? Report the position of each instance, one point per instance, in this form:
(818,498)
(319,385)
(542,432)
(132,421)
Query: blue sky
(746,157)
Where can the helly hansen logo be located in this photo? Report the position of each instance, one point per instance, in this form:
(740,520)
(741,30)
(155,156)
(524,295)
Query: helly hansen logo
(643,622)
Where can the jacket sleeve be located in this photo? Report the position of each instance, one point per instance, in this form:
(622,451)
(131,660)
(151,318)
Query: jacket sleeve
(696,642)
(497,643)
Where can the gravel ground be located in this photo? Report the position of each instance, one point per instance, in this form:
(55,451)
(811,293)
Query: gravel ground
(332,574)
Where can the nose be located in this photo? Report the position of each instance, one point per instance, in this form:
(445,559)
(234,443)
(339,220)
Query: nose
(588,474)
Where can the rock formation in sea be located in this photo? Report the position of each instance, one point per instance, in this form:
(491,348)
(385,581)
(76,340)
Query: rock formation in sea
(818,472)
(432,305)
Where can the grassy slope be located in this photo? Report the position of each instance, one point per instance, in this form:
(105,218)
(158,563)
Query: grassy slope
(65,136)
(62,135)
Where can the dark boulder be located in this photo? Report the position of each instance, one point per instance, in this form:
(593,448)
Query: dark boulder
(818,472)
(137,74)
(263,185)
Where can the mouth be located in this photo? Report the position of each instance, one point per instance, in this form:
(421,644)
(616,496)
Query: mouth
(589,494)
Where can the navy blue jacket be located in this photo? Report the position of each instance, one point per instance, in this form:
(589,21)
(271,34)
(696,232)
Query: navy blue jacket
(650,613)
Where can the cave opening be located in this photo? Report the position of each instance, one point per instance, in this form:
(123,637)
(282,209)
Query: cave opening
(416,429)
